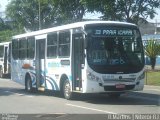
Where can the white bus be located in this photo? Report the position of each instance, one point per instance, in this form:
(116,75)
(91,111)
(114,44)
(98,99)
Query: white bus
(83,57)
(4,59)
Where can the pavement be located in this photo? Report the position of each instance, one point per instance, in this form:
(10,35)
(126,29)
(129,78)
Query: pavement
(152,86)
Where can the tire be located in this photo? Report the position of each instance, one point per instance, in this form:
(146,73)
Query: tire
(28,85)
(67,90)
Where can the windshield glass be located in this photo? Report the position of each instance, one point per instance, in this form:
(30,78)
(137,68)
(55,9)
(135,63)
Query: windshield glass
(116,53)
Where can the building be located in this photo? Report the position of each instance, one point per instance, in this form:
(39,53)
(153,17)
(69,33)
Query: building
(149,28)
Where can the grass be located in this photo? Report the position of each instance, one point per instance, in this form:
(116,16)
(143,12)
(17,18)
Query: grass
(152,77)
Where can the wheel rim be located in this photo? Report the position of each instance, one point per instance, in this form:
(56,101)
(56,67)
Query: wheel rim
(67,89)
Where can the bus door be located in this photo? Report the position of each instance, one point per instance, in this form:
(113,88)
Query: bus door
(5,59)
(77,61)
(40,62)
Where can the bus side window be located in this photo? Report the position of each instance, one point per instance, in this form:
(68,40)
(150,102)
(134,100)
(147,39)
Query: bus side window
(52,45)
(15,49)
(64,44)
(31,48)
(23,49)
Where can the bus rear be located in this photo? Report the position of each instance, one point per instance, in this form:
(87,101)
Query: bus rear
(4,59)
(114,58)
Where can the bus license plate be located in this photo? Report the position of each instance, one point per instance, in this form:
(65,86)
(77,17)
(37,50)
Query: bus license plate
(120,86)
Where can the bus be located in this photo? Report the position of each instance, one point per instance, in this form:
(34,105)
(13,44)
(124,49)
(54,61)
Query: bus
(4,59)
(82,57)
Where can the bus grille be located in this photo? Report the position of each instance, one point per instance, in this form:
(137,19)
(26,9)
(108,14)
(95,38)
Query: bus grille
(122,80)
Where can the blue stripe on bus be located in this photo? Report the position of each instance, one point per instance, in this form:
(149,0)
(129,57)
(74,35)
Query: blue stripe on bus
(52,81)
(48,79)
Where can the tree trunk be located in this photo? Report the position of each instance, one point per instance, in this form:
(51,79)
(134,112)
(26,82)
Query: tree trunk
(153,62)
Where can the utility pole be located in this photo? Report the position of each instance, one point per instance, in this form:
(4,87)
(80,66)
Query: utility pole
(155,27)
(39,14)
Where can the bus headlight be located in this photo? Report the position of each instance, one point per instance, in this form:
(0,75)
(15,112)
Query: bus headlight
(91,76)
(142,76)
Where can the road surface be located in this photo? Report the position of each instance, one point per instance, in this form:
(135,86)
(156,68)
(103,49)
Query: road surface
(15,100)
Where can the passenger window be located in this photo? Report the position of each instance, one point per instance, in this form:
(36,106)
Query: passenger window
(15,49)
(52,45)
(23,49)
(31,48)
(64,44)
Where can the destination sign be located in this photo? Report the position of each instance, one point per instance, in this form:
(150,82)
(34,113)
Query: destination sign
(113,32)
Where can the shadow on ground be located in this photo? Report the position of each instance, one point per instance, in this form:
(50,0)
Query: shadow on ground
(132,98)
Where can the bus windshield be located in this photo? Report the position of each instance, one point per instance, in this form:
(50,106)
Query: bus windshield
(115,53)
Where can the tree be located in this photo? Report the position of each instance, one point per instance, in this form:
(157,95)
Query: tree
(3,25)
(5,31)
(152,50)
(52,12)
(124,10)
(5,35)
(26,13)
(70,10)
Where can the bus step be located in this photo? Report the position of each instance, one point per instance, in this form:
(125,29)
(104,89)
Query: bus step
(78,89)
(41,89)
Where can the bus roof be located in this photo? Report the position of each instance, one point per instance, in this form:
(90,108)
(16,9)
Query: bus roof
(4,43)
(68,26)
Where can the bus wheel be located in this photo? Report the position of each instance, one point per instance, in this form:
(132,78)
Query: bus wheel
(28,85)
(67,90)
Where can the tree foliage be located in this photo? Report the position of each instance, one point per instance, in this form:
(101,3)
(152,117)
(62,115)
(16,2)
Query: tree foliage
(3,25)
(70,10)
(56,12)
(4,31)
(124,10)
(6,34)
(152,50)
(26,13)
(52,12)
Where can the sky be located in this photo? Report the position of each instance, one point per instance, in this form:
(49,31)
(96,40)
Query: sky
(3,4)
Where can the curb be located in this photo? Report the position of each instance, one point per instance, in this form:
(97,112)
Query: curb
(152,86)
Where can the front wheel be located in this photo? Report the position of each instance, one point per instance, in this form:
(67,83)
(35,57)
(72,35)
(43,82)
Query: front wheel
(28,85)
(67,90)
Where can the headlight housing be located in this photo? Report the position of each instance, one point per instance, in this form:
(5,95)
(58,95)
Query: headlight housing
(93,77)
(142,76)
